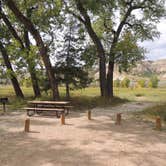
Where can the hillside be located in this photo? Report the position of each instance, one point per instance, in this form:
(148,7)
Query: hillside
(143,69)
(148,68)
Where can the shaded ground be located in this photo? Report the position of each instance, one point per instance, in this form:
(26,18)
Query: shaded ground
(81,142)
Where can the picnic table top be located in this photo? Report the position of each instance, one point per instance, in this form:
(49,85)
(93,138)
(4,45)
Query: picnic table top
(49,102)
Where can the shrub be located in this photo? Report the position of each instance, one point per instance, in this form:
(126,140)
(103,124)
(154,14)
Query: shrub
(153,82)
(142,83)
(139,94)
(26,82)
(117,83)
(125,83)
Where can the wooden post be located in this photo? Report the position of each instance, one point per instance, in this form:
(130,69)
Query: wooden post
(89,115)
(118,119)
(63,119)
(158,123)
(27,125)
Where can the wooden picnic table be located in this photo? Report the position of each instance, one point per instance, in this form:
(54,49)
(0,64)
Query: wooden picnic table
(38,107)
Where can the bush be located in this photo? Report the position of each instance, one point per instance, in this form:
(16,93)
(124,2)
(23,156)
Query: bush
(26,82)
(153,82)
(139,94)
(125,83)
(141,83)
(117,83)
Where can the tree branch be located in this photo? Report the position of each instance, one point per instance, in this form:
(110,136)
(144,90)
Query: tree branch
(74,14)
(11,28)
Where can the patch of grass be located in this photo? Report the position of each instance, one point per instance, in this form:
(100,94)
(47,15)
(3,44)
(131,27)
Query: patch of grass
(139,94)
(86,102)
(152,112)
(89,97)
(148,94)
(16,104)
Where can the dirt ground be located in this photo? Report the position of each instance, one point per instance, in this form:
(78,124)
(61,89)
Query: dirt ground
(80,142)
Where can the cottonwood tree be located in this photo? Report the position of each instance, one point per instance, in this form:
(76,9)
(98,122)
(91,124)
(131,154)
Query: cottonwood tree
(113,19)
(4,53)
(39,41)
(25,46)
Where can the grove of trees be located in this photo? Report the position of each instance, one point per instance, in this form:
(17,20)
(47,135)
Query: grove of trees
(60,40)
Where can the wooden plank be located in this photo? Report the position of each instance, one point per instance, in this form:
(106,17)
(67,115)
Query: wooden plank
(44,109)
(49,102)
(61,106)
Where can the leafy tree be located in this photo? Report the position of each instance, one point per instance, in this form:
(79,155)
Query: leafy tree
(28,59)
(106,23)
(40,43)
(70,67)
(10,73)
(128,53)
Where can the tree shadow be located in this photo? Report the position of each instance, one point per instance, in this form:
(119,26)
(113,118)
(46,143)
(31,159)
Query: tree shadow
(130,130)
(28,151)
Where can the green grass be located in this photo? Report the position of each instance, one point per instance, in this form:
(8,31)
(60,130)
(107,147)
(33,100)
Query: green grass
(153,112)
(142,94)
(89,97)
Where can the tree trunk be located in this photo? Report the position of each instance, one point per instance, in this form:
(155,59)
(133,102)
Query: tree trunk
(67,91)
(102,77)
(13,78)
(100,50)
(31,67)
(110,72)
(42,49)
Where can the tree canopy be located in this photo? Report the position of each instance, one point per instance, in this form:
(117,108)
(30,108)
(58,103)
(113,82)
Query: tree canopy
(105,32)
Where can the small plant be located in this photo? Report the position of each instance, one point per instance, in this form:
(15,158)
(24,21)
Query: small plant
(139,94)
(125,83)
(153,82)
(117,83)
(154,111)
(142,83)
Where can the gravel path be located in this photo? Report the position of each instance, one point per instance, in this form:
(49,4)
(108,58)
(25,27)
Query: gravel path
(80,142)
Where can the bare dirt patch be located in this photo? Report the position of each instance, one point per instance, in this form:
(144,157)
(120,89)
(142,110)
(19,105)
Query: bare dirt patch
(81,142)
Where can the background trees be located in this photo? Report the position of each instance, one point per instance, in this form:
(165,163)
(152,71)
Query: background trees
(10,73)
(153,83)
(71,64)
(42,48)
(107,22)
(113,30)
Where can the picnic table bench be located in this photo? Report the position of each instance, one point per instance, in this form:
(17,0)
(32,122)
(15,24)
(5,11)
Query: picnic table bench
(37,107)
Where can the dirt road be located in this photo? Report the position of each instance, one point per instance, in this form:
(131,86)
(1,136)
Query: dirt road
(80,142)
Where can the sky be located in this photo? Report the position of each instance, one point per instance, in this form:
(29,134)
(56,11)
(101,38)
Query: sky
(157,48)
